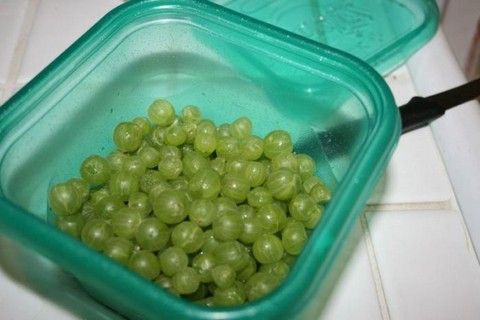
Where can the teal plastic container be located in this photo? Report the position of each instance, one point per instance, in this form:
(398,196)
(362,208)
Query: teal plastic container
(337,108)
(384,33)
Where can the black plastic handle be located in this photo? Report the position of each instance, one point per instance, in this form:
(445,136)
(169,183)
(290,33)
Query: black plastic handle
(420,111)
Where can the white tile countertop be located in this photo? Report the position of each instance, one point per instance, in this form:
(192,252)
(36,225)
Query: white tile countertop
(410,256)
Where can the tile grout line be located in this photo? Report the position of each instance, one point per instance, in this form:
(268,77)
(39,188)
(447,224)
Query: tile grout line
(374,268)
(20,48)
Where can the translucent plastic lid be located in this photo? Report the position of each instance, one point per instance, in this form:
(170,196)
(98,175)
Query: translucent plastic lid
(382,32)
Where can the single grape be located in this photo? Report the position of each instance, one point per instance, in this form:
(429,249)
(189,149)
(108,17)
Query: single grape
(223,130)
(188,236)
(231,296)
(306,165)
(294,238)
(170,206)
(156,137)
(278,269)
(205,184)
(252,148)
(314,218)
(193,162)
(283,184)
(190,129)
(170,168)
(236,167)
(115,160)
(127,136)
(223,276)
(320,193)
(271,218)
(228,227)
(88,211)
(310,182)
(72,224)
(191,114)
(150,179)
(203,263)
(157,190)
(119,249)
(81,187)
(161,113)
(252,230)
(206,127)
(224,205)
(64,199)
(302,207)
(241,128)
(259,285)
(145,263)
(175,136)
(109,205)
(246,211)
(172,260)
(98,195)
(210,243)
(267,249)
(134,165)
(251,267)
(205,144)
(228,148)
(288,161)
(140,202)
(123,184)
(219,165)
(164,282)
(95,233)
(255,173)
(186,281)
(125,222)
(150,156)
(152,235)
(276,143)
(180,183)
(202,212)
(232,253)
(143,124)
(259,197)
(235,187)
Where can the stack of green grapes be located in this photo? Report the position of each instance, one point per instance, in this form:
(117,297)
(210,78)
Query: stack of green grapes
(214,214)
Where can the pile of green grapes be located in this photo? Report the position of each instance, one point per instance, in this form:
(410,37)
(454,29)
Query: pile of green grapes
(214,214)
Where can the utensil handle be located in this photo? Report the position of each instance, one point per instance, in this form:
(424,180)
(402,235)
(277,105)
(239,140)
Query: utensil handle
(420,111)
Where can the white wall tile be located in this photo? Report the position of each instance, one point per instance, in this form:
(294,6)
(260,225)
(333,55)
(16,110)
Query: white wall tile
(57,25)
(427,265)
(416,172)
(11,19)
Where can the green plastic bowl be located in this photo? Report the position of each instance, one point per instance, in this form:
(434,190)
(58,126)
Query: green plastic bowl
(193,52)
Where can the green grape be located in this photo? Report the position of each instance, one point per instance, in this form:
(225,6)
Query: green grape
(314,218)
(199,294)
(156,137)
(115,160)
(193,162)
(170,168)
(150,179)
(188,236)
(210,243)
(310,182)
(206,127)
(278,269)
(228,227)
(98,195)
(235,187)
(109,205)
(127,136)
(191,114)
(179,183)
(306,165)
(219,164)
(246,211)
(236,167)
(276,143)
(203,263)
(205,143)
(231,296)
(139,201)
(205,184)
(320,193)
(252,230)
(125,222)
(259,285)
(223,276)
(302,207)
(170,152)
(255,173)
(95,233)
(283,184)
(282,205)
(172,260)
(175,135)
(190,129)
(186,281)
(71,224)
(228,147)
(259,197)
(244,274)
(152,235)
(241,128)
(164,282)
(161,113)
(224,205)
(170,206)
(252,148)
(267,249)
(81,187)
(223,130)
(88,211)
(118,249)
(143,124)
(294,238)
(64,199)
(288,161)
(232,253)
(134,165)
(150,156)
(157,190)
(202,212)
(145,264)
(123,184)
(271,218)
